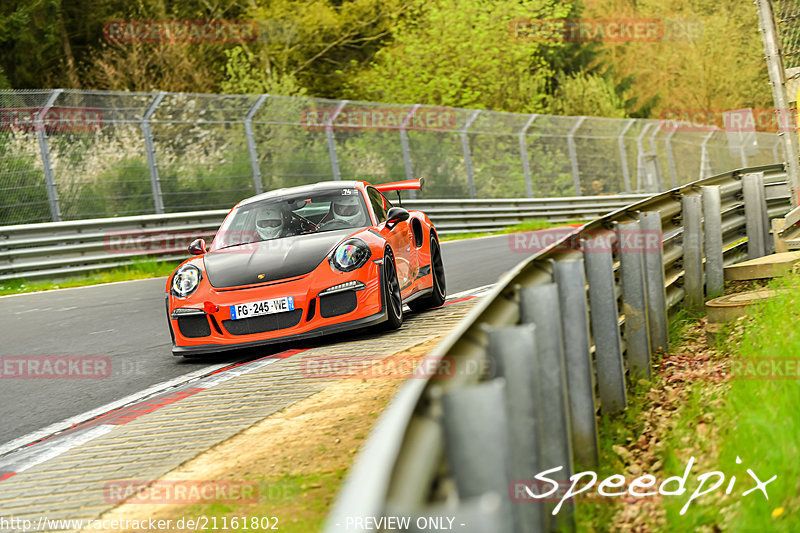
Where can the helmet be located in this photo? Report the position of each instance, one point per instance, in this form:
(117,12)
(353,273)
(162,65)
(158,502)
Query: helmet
(269,222)
(347,209)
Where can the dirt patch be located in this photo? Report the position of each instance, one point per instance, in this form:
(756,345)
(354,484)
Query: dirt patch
(297,457)
(694,362)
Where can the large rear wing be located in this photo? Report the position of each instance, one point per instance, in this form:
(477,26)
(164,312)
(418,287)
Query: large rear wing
(405,185)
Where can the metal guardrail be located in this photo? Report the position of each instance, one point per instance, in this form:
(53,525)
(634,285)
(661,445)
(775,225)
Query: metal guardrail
(52,249)
(513,397)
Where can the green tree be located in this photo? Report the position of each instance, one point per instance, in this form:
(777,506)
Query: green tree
(463,53)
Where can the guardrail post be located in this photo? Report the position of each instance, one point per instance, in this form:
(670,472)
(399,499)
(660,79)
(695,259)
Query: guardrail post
(476,440)
(599,265)
(412,194)
(539,306)
(754,212)
(571,282)
(44,149)
(512,352)
(523,149)
(573,156)
(147,132)
(623,155)
(332,141)
(251,143)
(691,214)
(468,154)
(650,223)
(766,225)
(712,231)
(634,298)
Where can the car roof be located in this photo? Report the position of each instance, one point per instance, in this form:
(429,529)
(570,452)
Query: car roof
(322,186)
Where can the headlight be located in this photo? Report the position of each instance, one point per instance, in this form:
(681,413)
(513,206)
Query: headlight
(350,255)
(186,280)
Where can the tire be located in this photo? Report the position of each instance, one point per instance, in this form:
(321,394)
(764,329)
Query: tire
(437,297)
(391,293)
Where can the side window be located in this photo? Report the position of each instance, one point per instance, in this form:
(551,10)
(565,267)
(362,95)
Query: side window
(379,203)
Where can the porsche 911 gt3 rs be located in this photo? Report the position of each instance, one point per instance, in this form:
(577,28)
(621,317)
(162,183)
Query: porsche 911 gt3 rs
(305,261)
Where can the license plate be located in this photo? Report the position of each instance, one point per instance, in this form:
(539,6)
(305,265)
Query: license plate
(264,307)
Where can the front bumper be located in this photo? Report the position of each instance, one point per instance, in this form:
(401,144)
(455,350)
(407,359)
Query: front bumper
(212,329)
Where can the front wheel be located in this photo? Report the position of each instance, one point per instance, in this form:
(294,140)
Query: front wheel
(391,293)
(439,289)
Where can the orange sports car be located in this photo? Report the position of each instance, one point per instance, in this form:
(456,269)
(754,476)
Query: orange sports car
(305,261)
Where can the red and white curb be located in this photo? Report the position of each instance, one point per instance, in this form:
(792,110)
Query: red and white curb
(48,443)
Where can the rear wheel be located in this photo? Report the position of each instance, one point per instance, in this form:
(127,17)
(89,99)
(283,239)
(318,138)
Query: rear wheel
(391,293)
(437,296)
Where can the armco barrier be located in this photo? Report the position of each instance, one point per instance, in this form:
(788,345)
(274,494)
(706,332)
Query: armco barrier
(519,397)
(56,249)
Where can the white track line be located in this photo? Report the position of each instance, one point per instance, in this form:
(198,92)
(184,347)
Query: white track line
(26,459)
(83,287)
(57,427)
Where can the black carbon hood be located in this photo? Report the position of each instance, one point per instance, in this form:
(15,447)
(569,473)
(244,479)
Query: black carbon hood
(274,260)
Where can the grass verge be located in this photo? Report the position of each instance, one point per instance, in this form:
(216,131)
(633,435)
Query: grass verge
(529,225)
(139,269)
(696,408)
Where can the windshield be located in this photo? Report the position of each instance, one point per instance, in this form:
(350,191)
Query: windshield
(277,218)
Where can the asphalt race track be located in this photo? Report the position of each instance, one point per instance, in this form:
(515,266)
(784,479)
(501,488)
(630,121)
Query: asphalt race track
(126,323)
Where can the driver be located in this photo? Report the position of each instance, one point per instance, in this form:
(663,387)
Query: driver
(347,209)
(270,223)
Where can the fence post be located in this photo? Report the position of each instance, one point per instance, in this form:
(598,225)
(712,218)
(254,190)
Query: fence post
(755,215)
(412,194)
(523,149)
(634,298)
(623,155)
(640,153)
(512,354)
(155,184)
(44,149)
(691,214)
(468,154)
(476,440)
(251,143)
(650,223)
(573,156)
(673,173)
(712,231)
(705,159)
(539,306)
(571,282)
(777,78)
(599,264)
(332,141)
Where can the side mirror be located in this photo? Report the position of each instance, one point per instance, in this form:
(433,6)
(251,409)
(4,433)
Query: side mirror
(395,216)
(198,247)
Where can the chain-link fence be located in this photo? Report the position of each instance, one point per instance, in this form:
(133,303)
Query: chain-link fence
(67,155)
